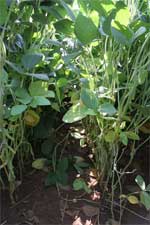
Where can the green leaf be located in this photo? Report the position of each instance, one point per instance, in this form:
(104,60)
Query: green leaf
(145,199)
(29,60)
(55,106)
(47,147)
(140,181)
(23,95)
(63,164)
(18,69)
(82,164)
(76,113)
(85,29)
(121,34)
(132,135)
(69,57)
(142,76)
(78,184)
(62,177)
(3,12)
(139,32)
(50,94)
(148,188)
(51,179)
(62,82)
(110,136)
(106,25)
(107,109)
(18,109)
(39,164)
(64,26)
(68,10)
(102,7)
(4,76)
(89,99)
(39,100)
(86,188)
(124,138)
(39,88)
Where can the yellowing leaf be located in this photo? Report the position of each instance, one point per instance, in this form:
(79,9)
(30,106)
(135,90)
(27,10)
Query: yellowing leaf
(133,199)
(39,164)
(123,196)
(31,118)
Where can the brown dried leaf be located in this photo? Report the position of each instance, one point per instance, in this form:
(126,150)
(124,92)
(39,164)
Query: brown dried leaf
(90,211)
(72,213)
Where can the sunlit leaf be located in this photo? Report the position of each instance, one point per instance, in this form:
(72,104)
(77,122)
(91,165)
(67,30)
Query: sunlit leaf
(140,181)
(68,10)
(62,82)
(40,88)
(64,26)
(89,99)
(123,16)
(76,113)
(85,29)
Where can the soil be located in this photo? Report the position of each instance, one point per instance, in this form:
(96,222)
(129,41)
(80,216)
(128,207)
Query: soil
(37,204)
(48,206)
